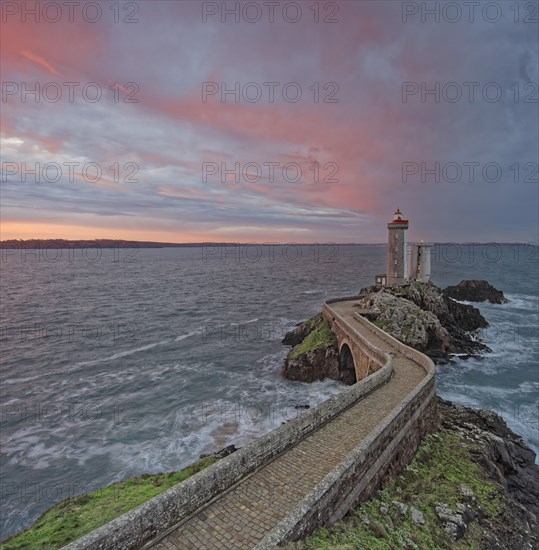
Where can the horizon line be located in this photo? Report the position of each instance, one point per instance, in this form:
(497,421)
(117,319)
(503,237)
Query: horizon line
(252,243)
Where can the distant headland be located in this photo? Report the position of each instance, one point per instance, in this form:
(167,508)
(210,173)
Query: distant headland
(124,243)
(98,243)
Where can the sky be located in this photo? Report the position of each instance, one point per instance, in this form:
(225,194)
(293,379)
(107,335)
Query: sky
(269,122)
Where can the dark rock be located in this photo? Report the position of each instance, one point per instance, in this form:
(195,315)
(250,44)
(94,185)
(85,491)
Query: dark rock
(461,316)
(503,456)
(311,366)
(475,291)
(222,452)
(302,406)
(371,315)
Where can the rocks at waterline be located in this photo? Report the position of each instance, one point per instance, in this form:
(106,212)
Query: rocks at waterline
(475,291)
(221,453)
(315,355)
(406,322)
(418,314)
(504,458)
(421,316)
(299,333)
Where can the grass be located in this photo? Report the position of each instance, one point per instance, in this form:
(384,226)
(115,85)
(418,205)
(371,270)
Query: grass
(72,518)
(320,336)
(441,465)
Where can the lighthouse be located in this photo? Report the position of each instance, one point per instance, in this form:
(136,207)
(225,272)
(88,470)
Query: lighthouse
(405,262)
(397,257)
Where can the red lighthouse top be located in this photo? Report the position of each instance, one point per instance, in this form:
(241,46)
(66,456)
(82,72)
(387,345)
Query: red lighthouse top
(397,217)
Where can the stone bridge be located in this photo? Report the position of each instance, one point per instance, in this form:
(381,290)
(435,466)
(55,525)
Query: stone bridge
(308,472)
(356,353)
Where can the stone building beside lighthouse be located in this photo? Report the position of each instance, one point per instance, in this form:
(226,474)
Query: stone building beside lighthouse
(405,262)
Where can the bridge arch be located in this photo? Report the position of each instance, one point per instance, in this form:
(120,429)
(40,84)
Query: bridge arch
(357,358)
(347,364)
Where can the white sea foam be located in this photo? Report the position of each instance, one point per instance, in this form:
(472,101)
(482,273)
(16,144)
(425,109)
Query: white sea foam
(529,387)
(15,380)
(516,301)
(120,354)
(188,335)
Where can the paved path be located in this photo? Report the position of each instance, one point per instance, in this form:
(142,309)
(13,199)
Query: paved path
(239,518)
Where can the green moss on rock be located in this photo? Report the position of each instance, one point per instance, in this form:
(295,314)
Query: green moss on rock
(319,337)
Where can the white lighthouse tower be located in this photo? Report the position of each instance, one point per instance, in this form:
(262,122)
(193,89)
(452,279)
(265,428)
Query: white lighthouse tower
(419,262)
(405,262)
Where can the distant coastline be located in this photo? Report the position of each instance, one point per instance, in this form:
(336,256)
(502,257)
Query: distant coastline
(123,243)
(86,243)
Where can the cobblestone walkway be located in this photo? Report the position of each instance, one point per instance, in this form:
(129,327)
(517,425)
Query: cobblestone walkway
(241,517)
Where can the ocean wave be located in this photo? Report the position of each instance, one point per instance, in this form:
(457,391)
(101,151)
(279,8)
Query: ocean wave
(15,380)
(523,301)
(516,301)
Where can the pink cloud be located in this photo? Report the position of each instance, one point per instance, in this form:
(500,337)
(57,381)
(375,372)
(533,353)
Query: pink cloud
(41,62)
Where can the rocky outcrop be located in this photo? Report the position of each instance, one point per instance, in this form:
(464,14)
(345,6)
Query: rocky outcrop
(504,454)
(461,318)
(221,453)
(311,366)
(452,315)
(505,459)
(418,314)
(315,355)
(421,316)
(298,334)
(475,291)
(407,322)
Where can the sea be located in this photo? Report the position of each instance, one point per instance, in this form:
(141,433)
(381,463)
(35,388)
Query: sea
(124,361)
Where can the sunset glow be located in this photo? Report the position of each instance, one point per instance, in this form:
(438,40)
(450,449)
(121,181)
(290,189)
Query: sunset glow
(156,102)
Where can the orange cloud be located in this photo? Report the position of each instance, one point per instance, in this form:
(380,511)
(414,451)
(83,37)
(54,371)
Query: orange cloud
(39,230)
